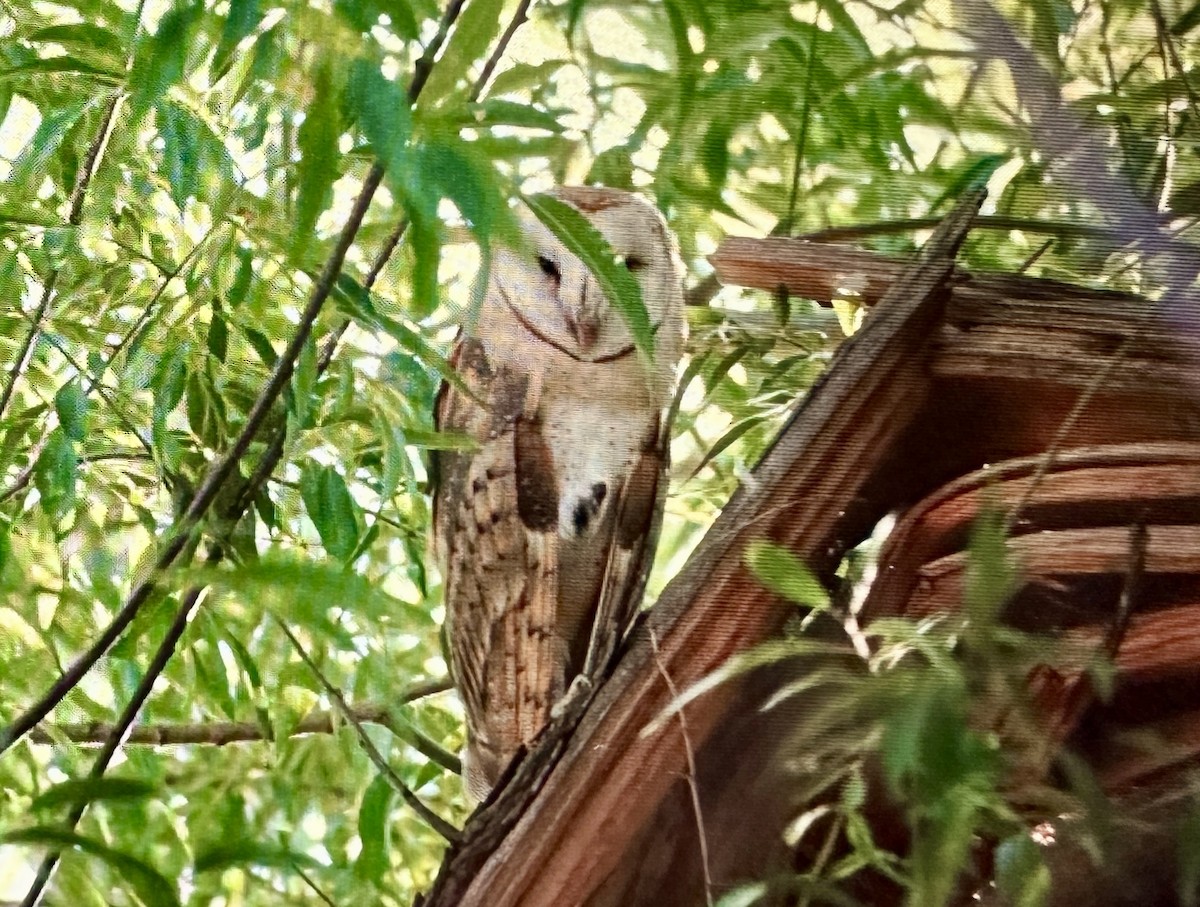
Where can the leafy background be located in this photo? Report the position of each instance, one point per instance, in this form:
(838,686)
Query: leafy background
(221,147)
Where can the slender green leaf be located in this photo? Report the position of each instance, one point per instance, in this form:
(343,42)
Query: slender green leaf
(54,475)
(620,287)
(149,884)
(331,509)
(180,152)
(71,404)
(785,574)
(251,853)
(89,790)
(65,63)
(382,110)
(160,58)
(374,830)
(318,141)
(242,19)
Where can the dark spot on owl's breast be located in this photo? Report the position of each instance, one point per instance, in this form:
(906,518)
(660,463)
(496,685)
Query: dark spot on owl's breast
(585,509)
(581,517)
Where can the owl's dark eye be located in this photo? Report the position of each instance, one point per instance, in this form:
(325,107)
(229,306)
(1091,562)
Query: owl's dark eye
(549,268)
(635,262)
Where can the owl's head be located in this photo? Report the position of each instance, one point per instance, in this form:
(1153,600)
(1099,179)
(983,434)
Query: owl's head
(555,296)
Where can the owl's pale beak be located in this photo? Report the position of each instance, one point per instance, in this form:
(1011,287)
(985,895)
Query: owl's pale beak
(585,329)
(583,319)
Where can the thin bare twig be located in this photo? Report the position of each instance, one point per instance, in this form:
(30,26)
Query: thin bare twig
(112,742)
(789,221)
(690,755)
(1168,44)
(983,222)
(74,218)
(204,496)
(436,822)
(1130,589)
(520,17)
(222,733)
(308,880)
(1064,429)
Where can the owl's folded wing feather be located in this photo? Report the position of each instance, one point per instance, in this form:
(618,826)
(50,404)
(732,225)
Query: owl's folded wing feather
(633,538)
(495,513)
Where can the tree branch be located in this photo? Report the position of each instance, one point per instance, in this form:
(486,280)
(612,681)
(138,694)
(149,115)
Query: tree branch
(181,533)
(436,822)
(74,218)
(112,741)
(223,733)
(520,17)
(204,496)
(202,500)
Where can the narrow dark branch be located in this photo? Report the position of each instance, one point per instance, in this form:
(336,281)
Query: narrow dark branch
(21,362)
(112,741)
(1131,589)
(424,66)
(1050,456)
(984,221)
(23,478)
(436,822)
(1168,43)
(1037,253)
(308,880)
(223,733)
(88,168)
(207,492)
(520,17)
(274,452)
(385,252)
(74,217)
(789,221)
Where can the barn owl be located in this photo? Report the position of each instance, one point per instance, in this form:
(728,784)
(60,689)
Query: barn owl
(545,527)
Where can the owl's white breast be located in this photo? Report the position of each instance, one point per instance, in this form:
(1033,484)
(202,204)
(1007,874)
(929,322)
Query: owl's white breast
(596,416)
(595,430)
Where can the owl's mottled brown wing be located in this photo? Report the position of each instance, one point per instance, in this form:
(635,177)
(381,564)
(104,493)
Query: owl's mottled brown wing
(632,540)
(495,509)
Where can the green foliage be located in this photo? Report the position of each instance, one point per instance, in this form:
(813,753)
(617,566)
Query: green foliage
(914,710)
(241,133)
(577,234)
